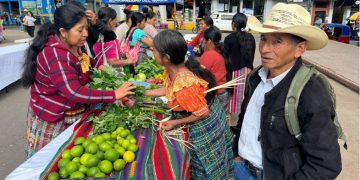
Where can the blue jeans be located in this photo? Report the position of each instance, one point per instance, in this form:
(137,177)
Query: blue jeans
(242,172)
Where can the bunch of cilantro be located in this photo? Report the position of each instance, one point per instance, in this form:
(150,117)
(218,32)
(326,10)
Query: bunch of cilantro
(150,68)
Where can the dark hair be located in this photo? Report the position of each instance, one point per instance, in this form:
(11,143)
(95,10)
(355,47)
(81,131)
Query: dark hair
(145,10)
(66,16)
(106,13)
(214,34)
(296,39)
(173,44)
(150,15)
(244,38)
(136,18)
(128,14)
(208,21)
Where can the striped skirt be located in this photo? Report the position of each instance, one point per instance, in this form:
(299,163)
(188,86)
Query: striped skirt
(211,156)
(39,132)
(239,90)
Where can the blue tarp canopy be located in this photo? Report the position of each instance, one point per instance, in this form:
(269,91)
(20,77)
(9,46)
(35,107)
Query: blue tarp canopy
(148,2)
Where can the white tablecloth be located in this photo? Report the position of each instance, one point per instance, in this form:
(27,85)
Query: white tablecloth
(11,62)
(33,167)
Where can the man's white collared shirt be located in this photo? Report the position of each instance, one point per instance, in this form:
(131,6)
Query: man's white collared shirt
(249,142)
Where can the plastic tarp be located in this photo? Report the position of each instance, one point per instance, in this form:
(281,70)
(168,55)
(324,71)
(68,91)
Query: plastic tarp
(149,2)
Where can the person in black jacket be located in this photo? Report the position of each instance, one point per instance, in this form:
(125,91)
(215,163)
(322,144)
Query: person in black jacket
(240,46)
(263,146)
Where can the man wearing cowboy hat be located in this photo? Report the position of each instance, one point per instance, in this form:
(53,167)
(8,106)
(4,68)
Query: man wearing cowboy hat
(263,147)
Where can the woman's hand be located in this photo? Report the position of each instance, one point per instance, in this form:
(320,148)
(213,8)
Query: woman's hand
(129,59)
(101,67)
(168,125)
(91,16)
(124,90)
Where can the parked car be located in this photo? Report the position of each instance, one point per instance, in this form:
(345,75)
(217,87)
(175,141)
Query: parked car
(223,20)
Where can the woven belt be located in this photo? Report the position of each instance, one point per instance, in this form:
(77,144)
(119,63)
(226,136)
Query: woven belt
(75,112)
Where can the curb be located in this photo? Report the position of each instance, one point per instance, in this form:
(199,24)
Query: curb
(337,77)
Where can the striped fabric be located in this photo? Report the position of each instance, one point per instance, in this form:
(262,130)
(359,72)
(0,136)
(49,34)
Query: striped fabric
(40,132)
(239,90)
(60,84)
(211,157)
(157,157)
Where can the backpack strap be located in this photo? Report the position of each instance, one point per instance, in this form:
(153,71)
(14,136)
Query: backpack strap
(298,83)
(325,82)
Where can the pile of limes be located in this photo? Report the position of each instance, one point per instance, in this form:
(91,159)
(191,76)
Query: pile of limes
(97,156)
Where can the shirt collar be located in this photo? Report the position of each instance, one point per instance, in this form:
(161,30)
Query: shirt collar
(263,73)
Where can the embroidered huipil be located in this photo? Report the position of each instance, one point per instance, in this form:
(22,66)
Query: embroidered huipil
(186,92)
(60,83)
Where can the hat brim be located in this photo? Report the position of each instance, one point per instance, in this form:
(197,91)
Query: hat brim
(315,37)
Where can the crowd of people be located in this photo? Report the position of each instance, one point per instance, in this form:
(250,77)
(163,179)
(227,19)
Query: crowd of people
(258,146)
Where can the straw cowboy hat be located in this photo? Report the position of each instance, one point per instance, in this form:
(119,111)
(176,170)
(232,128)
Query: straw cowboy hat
(291,19)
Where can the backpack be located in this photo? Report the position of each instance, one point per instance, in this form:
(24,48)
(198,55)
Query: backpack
(298,83)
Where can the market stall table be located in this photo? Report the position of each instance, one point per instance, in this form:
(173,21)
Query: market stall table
(156,158)
(11,62)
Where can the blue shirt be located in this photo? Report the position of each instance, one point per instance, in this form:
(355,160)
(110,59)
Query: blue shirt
(137,36)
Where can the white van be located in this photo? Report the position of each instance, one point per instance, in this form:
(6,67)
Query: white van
(223,20)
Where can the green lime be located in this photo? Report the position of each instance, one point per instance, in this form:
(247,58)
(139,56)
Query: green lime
(105,146)
(76,159)
(113,135)
(92,171)
(71,167)
(92,148)
(105,166)
(86,143)
(99,139)
(119,164)
(132,147)
(124,133)
(119,129)
(63,173)
(84,158)
(66,154)
(99,175)
(121,150)
(130,137)
(76,175)
(92,161)
(54,176)
(77,151)
(79,140)
(62,163)
(125,144)
(100,155)
(83,169)
(111,155)
(107,136)
(133,141)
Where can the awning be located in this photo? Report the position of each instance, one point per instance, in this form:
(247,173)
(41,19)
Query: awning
(149,2)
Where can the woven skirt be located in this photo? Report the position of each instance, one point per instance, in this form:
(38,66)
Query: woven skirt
(40,132)
(211,154)
(239,90)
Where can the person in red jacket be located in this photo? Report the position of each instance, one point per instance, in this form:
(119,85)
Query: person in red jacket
(57,71)
(215,60)
(205,23)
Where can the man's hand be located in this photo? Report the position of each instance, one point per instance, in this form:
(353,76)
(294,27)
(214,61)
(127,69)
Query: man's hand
(91,16)
(237,159)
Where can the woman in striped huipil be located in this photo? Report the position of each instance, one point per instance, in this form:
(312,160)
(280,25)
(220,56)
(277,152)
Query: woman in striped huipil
(57,71)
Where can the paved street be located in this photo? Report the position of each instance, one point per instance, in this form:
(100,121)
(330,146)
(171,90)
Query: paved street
(338,58)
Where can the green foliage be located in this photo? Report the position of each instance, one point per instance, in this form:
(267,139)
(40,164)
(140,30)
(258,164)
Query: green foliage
(150,68)
(132,118)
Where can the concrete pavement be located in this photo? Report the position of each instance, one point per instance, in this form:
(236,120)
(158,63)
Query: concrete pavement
(338,59)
